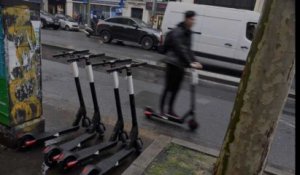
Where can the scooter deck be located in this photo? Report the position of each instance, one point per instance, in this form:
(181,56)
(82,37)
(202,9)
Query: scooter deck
(94,150)
(77,141)
(53,135)
(166,117)
(113,161)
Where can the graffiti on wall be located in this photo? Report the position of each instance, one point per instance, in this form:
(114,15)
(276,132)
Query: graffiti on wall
(22,51)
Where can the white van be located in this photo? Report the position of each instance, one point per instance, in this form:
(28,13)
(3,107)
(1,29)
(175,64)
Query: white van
(221,33)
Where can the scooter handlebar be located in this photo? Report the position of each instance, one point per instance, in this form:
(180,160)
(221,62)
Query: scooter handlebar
(128,66)
(112,62)
(86,57)
(70,53)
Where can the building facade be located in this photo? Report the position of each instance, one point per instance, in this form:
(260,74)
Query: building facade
(136,9)
(142,9)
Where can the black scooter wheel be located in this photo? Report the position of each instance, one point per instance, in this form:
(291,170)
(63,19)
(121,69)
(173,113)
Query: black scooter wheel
(50,155)
(67,163)
(148,111)
(193,125)
(21,142)
(90,170)
(123,137)
(86,122)
(139,145)
(102,127)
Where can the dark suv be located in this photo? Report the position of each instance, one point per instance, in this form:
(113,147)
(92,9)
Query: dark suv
(128,29)
(48,20)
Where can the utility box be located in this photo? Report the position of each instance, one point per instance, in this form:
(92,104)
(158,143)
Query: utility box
(20,69)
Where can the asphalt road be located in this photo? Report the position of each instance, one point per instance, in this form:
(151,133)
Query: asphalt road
(214,105)
(130,50)
(127,50)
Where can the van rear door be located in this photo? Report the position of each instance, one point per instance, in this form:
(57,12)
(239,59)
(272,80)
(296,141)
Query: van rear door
(247,35)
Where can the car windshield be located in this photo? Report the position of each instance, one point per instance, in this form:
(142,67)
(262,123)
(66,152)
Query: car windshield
(69,18)
(141,23)
(47,14)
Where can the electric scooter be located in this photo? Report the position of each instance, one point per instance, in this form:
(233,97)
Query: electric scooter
(29,139)
(68,160)
(134,144)
(52,152)
(192,123)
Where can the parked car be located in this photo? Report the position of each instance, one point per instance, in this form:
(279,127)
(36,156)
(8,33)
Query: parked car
(67,22)
(128,29)
(48,20)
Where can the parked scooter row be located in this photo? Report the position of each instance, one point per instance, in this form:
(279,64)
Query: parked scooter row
(71,153)
(77,152)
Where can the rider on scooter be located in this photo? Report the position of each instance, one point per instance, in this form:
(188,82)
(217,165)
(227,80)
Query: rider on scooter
(179,56)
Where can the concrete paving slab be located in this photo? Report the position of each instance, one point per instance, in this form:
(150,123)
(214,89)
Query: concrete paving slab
(141,165)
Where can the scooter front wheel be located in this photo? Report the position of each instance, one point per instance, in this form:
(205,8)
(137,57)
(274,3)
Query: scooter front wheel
(86,122)
(193,124)
(139,145)
(123,137)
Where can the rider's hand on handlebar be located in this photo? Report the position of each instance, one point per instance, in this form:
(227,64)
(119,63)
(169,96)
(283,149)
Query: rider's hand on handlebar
(196,65)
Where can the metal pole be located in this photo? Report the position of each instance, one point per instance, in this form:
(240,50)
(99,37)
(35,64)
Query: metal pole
(88,13)
(153,11)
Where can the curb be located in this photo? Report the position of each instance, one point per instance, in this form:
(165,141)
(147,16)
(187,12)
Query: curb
(149,154)
(205,75)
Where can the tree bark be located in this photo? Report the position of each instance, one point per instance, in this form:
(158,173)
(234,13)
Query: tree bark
(262,92)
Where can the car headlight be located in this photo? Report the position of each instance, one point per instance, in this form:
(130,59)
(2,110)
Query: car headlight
(158,35)
(50,19)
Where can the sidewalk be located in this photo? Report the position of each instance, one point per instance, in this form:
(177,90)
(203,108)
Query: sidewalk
(155,61)
(30,162)
(166,155)
(60,104)
(59,90)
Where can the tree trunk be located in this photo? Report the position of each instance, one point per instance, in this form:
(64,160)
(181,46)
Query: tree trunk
(262,92)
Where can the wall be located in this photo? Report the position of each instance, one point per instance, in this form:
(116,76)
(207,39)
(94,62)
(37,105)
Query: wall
(69,8)
(135,4)
(45,5)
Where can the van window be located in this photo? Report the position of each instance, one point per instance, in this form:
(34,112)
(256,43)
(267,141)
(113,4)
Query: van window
(251,26)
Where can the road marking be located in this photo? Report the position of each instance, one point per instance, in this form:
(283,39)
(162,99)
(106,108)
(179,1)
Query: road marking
(287,123)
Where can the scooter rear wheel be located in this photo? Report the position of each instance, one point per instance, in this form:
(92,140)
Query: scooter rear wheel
(148,111)
(64,164)
(21,142)
(49,157)
(89,170)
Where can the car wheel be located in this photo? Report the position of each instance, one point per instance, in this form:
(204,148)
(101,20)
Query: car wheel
(55,27)
(147,43)
(67,28)
(43,24)
(161,49)
(106,36)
